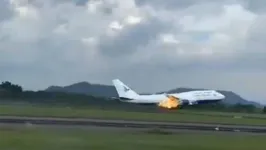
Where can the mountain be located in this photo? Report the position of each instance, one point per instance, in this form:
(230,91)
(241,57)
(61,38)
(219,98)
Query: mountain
(86,88)
(109,91)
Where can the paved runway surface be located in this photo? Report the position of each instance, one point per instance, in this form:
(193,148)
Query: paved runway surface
(129,124)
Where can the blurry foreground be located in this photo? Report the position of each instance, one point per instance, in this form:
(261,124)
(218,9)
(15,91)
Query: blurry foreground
(81,139)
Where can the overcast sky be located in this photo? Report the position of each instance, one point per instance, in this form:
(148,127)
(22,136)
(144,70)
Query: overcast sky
(151,45)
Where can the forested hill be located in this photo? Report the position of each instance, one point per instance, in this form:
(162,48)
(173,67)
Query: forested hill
(86,88)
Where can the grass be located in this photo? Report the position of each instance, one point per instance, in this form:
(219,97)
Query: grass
(78,139)
(178,115)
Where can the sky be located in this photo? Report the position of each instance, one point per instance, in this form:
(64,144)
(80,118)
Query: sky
(150,45)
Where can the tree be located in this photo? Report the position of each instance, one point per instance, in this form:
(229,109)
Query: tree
(264,109)
(13,88)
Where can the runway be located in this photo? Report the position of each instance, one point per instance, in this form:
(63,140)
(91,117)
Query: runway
(122,124)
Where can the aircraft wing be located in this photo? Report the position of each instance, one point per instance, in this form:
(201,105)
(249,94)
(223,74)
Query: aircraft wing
(182,101)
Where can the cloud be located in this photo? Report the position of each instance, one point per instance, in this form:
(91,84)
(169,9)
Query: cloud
(150,44)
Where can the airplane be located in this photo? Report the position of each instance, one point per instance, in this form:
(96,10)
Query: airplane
(174,100)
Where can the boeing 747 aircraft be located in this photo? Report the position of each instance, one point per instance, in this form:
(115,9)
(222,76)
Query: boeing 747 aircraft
(165,100)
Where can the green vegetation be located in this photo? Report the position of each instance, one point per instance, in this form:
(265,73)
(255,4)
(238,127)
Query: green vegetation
(176,115)
(79,139)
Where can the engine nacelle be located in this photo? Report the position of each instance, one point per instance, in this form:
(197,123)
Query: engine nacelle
(193,103)
(185,102)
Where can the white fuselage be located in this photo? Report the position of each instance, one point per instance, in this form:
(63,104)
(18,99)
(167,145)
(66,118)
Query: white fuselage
(191,96)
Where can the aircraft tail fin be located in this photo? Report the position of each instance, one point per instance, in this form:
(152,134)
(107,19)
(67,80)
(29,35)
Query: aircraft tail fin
(123,90)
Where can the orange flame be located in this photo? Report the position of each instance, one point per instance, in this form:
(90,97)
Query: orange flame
(169,103)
